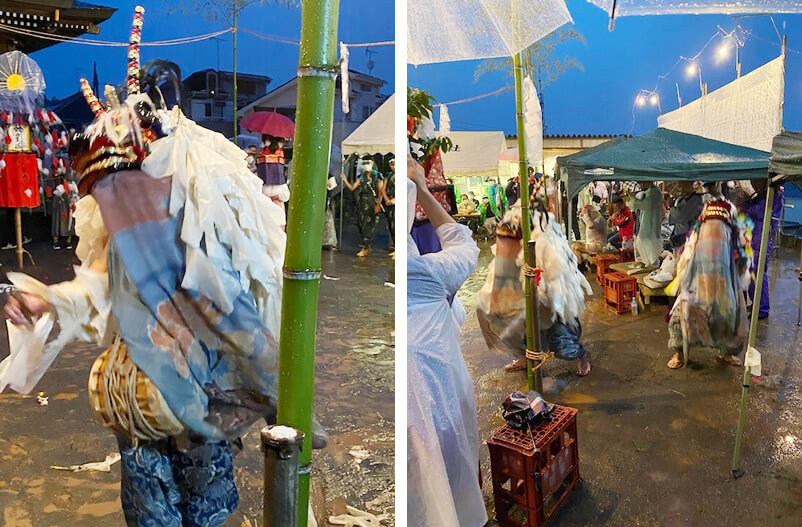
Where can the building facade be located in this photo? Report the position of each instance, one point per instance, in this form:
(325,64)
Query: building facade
(365,98)
(210,95)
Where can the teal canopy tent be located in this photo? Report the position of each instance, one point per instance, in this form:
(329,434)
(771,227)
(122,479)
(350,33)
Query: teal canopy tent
(663,155)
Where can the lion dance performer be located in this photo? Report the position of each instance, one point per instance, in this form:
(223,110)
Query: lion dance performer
(712,278)
(501,306)
(181,271)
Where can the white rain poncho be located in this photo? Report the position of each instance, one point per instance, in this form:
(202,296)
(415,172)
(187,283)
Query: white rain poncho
(442,429)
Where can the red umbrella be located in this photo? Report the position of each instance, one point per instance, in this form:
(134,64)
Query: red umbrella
(270,123)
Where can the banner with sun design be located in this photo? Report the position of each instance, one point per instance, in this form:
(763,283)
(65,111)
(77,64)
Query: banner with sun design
(22,85)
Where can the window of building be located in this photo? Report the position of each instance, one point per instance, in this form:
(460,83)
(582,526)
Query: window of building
(365,87)
(366,111)
(211,82)
(208,111)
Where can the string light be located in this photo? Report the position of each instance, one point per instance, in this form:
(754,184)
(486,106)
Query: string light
(729,39)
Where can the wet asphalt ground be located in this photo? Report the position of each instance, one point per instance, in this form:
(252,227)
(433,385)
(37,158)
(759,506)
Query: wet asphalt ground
(656,445)
(354,401)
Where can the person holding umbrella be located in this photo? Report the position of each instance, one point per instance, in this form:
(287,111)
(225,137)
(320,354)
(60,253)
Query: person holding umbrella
(275,129)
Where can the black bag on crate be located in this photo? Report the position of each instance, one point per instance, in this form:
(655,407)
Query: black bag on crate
(522,411)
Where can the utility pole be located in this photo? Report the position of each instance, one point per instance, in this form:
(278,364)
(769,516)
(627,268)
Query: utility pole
(235,12)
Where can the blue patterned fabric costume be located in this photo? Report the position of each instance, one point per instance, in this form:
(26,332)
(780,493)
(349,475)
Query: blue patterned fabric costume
(181,257)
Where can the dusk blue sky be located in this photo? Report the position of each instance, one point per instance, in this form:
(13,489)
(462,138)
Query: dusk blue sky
(360,21)
(599,99)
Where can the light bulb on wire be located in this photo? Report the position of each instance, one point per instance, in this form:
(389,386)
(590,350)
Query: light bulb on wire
(691,69)
(723,51)
(653,99)
(641,100)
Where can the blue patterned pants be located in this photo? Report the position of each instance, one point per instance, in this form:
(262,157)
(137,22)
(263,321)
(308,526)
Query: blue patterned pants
(164,487)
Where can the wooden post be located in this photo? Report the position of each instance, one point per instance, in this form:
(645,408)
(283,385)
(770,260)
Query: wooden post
(18,225)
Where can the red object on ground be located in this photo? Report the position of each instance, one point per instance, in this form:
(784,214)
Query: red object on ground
(603,262)
(619,289)
(626,255)
(531,482)
(270,123)
(19,181)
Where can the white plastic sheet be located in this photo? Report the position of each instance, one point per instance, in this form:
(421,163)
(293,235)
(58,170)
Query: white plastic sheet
(445,120)
(696,7)
(533,124)
(345,79)
(451,30)
(745,112)
(29,357)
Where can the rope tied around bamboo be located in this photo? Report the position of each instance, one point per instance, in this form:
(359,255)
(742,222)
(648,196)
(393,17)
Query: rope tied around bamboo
(539,357)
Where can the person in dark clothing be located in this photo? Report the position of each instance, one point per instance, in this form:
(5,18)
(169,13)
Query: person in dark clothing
(755,208)
(513,191)
(683,214)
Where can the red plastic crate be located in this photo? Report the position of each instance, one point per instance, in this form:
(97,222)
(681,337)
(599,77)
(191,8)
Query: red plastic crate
(626,255)
(603,262)
(531,482)
(619,289)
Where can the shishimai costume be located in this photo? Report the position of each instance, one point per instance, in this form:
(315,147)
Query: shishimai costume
(181,272)
(501,306)
(712,277)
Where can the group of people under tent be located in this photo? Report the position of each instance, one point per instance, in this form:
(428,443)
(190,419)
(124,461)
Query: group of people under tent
(180,283)
(700,239)
(704,230)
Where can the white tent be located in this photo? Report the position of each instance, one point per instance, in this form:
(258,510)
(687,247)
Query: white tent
(475,154)
(376,135)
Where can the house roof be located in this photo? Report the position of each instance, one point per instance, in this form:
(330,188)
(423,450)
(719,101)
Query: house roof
(290,85)
(244,76)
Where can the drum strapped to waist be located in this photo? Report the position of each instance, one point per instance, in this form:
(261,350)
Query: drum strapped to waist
(126,400)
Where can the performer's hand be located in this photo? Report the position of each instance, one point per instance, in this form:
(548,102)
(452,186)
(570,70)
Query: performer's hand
(391,202)
(15,310)
(416,173)
(377,208)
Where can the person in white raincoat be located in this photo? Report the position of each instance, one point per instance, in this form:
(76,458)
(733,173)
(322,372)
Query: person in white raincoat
(442,430)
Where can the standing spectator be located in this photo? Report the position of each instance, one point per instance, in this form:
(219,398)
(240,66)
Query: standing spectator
(442,428)
(513,191)
(755,208)
(367,203)
(387,195)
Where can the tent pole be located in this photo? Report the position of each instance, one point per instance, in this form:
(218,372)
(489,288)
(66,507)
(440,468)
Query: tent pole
(533,376)
(317,71)
(761,271)
(799,276)
(342,194)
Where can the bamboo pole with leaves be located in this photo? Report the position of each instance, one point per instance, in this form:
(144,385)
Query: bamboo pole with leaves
(533,375)
(302,264)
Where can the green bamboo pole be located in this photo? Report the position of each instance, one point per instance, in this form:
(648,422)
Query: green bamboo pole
(747,381)
(533,377)
(235,12)
(313,121)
